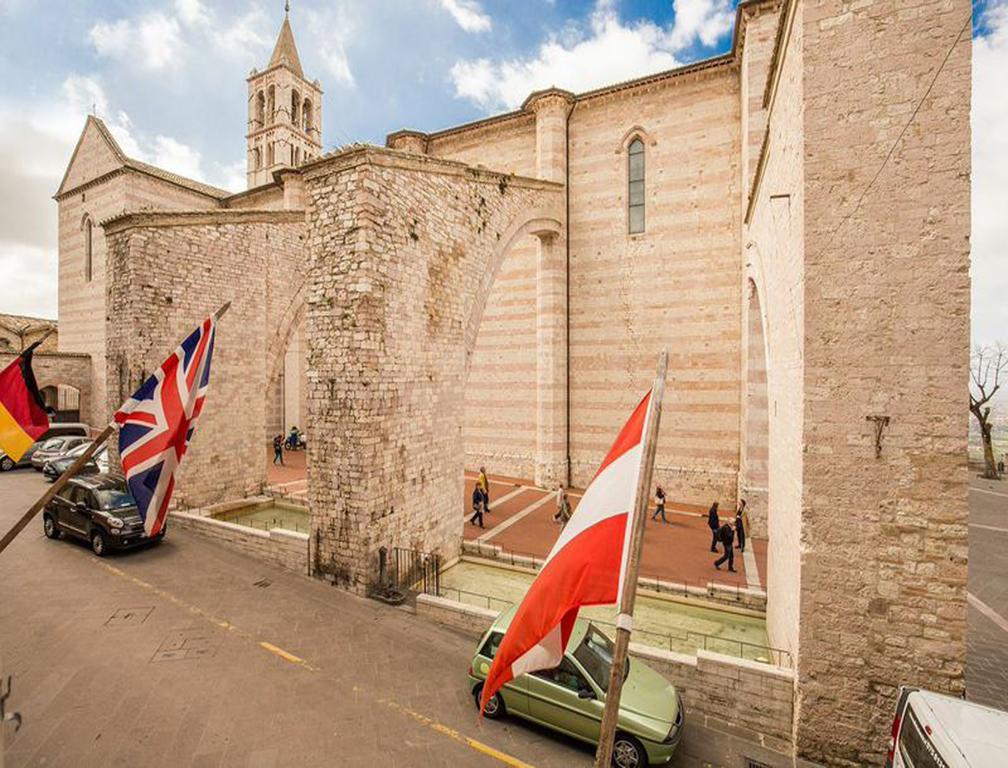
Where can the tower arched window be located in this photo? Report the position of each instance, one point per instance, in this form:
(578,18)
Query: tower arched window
(88,247)
(635,187)
(271,104)
(257,158)
(295,108)
(306,116)
(260,109)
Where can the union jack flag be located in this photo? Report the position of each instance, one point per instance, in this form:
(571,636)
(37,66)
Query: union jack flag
(156,424)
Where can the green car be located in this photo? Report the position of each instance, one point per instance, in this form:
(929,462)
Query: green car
(570,698)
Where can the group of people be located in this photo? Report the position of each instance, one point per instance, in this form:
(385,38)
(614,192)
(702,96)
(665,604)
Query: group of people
(726,534)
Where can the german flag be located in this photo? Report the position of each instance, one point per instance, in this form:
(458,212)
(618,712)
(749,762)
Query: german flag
(23,418)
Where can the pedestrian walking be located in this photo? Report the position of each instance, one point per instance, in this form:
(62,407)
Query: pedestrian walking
(659,505)
(713,523)
(278,450)
(563,510)
(483,483)
(741,524)
(478,505)
(727,536)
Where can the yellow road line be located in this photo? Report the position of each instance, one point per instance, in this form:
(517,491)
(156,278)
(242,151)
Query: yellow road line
(434,725)
(451,733)
(281,653)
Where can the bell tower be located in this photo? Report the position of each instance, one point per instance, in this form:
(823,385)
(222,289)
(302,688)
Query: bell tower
(284,112)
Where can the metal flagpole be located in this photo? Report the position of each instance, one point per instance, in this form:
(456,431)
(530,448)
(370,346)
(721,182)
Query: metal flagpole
(610,716)
(72,470)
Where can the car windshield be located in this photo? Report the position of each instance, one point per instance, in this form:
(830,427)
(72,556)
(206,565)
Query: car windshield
(78,450)
(595,654)
(53,444)
(114,498)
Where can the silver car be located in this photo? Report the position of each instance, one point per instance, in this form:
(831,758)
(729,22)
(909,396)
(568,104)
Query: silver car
(54,447)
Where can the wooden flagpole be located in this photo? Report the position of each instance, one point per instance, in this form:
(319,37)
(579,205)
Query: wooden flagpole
(610,716)
(72,470)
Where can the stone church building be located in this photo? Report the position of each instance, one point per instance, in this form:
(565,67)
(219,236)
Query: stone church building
(790,220)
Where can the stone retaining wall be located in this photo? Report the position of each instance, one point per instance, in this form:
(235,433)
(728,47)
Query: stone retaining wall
(288,549)
(752,701)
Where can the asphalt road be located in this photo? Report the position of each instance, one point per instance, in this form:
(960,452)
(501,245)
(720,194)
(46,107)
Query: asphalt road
(190,654)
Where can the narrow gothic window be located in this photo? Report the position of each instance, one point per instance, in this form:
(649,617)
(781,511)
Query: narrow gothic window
(87,249)
(260,110)
(271,104)
(270,156)
(295,108)
(635,197)
(257,158)
(306,116)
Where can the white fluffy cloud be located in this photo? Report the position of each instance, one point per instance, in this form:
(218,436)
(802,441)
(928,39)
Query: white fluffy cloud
(609,51)
(990,178)
(154,41)
(468,14)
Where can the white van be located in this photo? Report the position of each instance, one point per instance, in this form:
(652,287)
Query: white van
(935,731)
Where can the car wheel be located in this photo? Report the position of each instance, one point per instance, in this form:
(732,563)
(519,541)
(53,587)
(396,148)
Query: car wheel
(6,464)
(628,752)
(495,709)
(98,545)
(49,526)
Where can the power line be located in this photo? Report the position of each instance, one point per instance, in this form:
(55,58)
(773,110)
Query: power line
(902,133)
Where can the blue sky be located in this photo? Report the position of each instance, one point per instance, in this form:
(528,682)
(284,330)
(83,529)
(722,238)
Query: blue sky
(168,76)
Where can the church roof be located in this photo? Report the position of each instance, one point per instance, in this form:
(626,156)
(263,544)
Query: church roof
(285,51)
(137,165)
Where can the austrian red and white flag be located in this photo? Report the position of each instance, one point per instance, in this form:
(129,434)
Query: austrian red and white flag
(585,567)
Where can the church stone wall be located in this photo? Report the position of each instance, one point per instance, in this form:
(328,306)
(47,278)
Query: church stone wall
(403,251)
(500,396)
(773,265)
(676,286)
(171,271)
(887,307)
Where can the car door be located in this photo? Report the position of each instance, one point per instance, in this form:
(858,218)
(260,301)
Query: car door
(563,698)
(77,517)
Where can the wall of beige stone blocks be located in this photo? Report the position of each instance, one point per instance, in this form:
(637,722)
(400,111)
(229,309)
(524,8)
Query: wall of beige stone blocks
(287,549)
(96,188)
(403,251)
(772,254)
(171,271)
(675,286)
(887,307)
(500,396)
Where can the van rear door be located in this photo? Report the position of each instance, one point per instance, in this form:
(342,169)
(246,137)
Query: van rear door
(920,744)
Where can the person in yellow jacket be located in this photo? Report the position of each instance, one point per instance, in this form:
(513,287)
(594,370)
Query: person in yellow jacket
(484,484)
(741,523)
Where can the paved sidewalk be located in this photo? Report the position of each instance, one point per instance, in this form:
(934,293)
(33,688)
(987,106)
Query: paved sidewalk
(677,551)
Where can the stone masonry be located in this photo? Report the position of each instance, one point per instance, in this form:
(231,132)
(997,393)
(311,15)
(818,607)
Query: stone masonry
(172,271)
(403,252)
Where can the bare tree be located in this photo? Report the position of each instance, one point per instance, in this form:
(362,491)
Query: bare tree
(987,366)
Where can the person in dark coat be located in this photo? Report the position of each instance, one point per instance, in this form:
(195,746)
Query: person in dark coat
(278,450)
(478,505)
(713,523)
(741,523)
(727,536)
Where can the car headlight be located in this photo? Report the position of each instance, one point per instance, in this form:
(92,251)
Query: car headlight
(115,522)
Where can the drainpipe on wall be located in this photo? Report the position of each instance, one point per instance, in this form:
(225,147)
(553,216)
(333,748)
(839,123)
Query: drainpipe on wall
(567,399)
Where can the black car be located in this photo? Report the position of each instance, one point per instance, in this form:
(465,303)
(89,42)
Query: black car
(99,509)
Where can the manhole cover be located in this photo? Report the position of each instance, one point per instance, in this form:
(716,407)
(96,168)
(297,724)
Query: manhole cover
(186,644)
(129,617)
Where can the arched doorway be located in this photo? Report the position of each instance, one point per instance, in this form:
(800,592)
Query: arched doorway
(286,415)
(755,475)
(63,402)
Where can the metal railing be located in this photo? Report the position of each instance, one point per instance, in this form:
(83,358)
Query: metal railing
(735,588)
(414,571)
(268,525)
(685,641)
